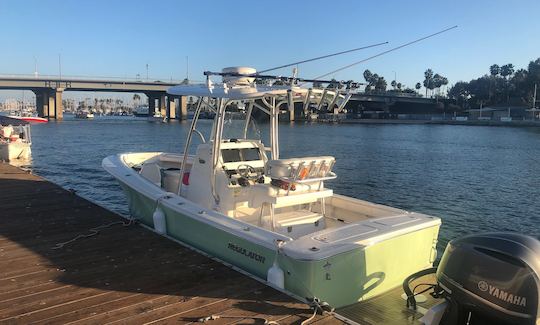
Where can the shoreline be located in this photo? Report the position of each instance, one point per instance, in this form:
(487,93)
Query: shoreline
(441,122)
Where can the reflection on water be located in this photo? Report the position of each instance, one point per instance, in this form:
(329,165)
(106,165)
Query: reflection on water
(474,178)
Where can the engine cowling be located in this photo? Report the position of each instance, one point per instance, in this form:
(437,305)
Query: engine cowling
(491,278)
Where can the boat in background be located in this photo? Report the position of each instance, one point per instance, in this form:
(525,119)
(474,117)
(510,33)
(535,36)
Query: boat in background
(15,139)
(31,119)
(157,117)
(141,111)
(84,115)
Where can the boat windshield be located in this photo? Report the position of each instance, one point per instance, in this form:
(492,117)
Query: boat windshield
(234,126)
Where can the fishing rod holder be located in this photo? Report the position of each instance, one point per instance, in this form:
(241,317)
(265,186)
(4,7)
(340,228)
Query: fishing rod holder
(292,80)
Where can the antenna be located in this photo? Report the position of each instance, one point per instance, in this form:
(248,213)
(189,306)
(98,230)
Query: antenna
(385,52)
(323,57)
(35,67)
(60,65)
(187,67)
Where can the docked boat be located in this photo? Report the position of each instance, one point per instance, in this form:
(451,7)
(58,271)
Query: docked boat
(141,111)
(84,115)
(237,200)
(32,119)
(15,139)
(157,117)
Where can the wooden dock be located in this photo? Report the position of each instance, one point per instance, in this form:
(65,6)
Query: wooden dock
(123,275)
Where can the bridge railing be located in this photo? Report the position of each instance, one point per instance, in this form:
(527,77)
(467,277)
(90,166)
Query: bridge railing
(93,78)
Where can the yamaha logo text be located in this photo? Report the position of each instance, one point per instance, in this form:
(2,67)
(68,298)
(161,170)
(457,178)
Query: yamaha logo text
(502,295)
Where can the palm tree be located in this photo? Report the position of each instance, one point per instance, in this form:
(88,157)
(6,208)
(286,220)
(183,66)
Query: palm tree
(494,70)
(381,84)
(393,84)
(368,75)
(418,86)
(136,99)
(507,70)
(428,80)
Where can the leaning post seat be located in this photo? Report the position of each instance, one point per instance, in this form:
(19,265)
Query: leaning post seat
(303,178)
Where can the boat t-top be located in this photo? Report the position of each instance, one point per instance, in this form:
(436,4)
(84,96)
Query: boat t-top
(235,198)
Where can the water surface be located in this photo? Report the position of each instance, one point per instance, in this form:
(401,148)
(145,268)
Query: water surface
(475,178)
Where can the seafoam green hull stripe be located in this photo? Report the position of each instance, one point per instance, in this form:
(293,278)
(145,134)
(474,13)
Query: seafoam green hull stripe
(361,273)
(242,253)
(340,280)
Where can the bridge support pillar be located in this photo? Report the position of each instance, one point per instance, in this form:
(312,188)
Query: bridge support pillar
(182,105)
(162,105)
(51,106)
(171,108)
(151,105)
(49,103)
(42,103)
(58,107)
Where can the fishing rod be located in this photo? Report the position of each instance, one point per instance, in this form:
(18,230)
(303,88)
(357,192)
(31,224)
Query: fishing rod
(385,52)
(318,79)
(322,57)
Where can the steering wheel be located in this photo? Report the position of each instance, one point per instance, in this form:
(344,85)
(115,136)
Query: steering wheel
(244,170)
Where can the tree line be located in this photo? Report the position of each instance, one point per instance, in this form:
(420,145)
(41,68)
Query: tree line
(502,85)
(432,83)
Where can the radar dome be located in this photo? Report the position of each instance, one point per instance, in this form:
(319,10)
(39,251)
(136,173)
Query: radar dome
(239,81)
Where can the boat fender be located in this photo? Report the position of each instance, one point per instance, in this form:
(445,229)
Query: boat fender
(276,276)
(160,225)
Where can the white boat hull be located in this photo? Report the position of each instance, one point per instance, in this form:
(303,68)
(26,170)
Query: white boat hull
(14,150)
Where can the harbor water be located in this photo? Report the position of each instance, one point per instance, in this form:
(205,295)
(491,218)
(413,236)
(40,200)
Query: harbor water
(475,178)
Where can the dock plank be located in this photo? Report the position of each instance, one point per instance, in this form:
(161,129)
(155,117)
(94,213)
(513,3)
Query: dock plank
(123,275)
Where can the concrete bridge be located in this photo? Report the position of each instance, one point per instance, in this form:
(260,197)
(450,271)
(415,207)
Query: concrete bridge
(49,90)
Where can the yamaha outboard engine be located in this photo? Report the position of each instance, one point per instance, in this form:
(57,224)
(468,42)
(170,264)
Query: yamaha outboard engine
(491,278)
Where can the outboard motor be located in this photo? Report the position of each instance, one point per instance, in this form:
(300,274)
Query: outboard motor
(491,278)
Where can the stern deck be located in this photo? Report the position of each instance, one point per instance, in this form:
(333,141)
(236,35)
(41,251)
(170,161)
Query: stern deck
(389,308)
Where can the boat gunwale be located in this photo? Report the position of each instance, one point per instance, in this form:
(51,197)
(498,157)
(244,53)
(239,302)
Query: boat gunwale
(256,234)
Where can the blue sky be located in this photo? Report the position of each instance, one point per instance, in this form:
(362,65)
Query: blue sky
(118,38)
